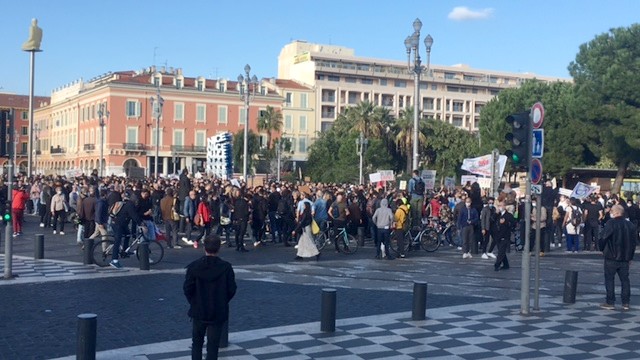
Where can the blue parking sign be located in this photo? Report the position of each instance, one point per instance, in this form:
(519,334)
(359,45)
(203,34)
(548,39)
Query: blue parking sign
(538,143)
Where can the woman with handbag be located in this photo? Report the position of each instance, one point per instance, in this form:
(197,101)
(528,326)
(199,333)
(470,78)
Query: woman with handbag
(306,246)
(170,218)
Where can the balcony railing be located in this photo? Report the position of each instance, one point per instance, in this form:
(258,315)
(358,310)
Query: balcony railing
(193,149)
(89,147)
(328,115)
(133,147)
(56,150)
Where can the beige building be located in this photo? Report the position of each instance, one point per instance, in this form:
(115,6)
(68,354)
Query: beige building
(299,109)
(454,94)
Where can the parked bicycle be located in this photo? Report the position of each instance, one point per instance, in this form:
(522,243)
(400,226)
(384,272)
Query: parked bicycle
(418,236)
(440,233)
(103,250)
(347,243)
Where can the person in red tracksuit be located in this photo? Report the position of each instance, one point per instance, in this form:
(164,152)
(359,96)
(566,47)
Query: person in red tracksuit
(18,205)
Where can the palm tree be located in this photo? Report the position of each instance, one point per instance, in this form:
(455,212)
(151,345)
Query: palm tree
(404,135)
(269,121)
(367,119)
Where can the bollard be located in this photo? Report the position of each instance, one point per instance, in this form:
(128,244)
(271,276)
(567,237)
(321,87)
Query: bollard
(224,335)
(360,236)
(87,258)
(570,287)
(419,301)
(143,255)
(328,311)
(87,332)
(39,247)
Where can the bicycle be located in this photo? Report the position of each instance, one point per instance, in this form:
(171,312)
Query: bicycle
(347,243)
(439,233)
(422,239)
(103,250)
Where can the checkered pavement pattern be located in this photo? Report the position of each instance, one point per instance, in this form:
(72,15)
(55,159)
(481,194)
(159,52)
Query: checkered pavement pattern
(30,269)
(481,331)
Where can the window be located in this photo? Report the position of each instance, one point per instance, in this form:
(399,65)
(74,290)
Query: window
(25,115)
(434,87)
(303,123)
(457,121)
(449,75)
(302,145)
(133,108)
(478,108)
(200,85)
(367,81)
(153,137)
(178,83)
(221,86)
(288,99)
(201,138)
(201,113)
(319,77)
(132,135)
(350,80)
(474,90)
(457,106)
(333,78)
(383,82)
(288,125)
(23,148)
(400,84)
(222,115)
(93,111)
(178,112)
(25,131)
(156,81)
(303,101)
(178,137)
(242,118)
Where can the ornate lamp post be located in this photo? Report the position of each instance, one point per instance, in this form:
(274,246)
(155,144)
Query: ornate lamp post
(157,103)
(412,44)
(102,114)
(246,94)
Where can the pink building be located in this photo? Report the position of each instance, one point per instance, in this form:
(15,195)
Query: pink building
(193,109)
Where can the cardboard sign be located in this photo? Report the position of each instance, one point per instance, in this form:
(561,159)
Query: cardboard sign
(386,175)
(468,179)
(375,177)
(485,183)
(429,178)
(403,185)
(450,182)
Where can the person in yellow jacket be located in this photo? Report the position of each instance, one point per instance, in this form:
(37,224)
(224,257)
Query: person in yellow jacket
(401,222)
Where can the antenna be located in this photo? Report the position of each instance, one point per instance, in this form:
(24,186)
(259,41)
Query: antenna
(155,49)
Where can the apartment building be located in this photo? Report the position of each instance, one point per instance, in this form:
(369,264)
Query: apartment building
(193,109)
(20,106)
(455,94)
(298,115)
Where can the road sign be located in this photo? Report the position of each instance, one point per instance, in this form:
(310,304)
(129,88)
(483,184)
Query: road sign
(536,189)
(538,143)
(536,171)
(537,115)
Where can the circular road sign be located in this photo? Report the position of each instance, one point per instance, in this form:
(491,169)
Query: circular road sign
(536,171)
(537,115)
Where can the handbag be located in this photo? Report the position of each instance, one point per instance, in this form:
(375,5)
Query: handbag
(225,220)
(315,229)
(174,214)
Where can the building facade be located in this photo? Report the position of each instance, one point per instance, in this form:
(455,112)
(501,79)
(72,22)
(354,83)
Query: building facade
(455,94)
(20,106)
(193,109)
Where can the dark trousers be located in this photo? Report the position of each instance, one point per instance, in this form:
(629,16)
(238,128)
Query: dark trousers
(240,228)
(89,228)
(611,268)
(486,237)
(532,239)
(467,237)
(45,215)
(398,234)
(383,238)
(275,225)
(590,236)
(501,259)
(337,226)
(257,228)
(213,332)
(59,217)
(171,232)
(227,230)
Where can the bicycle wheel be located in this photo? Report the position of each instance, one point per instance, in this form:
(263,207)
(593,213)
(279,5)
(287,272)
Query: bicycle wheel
(156,252)
(102,252)
(320,240)
(348,244)
(393,244)
(429,240)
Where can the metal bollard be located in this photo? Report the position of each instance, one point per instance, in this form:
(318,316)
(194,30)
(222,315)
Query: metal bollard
(570,287)
(39,247)
(361,236)
(87,333)
(87,258)
(143,255)
(224,336)
(328,311)
(419,301)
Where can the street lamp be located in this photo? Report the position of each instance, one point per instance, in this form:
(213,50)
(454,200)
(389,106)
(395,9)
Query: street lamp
(412,44)
(102,114)
(157,113)
(246,94)
(279,150)
(36,133)
(361,144)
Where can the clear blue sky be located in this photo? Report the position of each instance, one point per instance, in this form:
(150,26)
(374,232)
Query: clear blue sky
(217,38)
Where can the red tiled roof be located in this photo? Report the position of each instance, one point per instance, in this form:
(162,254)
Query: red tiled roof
(21,101)
(291,84)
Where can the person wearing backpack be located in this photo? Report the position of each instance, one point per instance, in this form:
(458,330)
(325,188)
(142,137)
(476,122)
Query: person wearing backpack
(573,225)
(416,191)
(401,225)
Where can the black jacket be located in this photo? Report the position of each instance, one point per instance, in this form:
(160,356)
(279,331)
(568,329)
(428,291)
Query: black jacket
(619,239)
(504,228)
(209,286)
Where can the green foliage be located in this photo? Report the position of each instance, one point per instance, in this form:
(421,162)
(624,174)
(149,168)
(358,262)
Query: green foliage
(270,121)
(253,147)
(447,146)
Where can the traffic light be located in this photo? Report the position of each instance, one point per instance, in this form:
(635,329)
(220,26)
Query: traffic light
(520,139)
(6,218)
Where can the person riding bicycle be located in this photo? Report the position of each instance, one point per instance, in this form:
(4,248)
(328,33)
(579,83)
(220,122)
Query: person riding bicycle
(120,224)
(338,212)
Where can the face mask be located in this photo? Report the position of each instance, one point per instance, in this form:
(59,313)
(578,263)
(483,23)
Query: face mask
(468,204)
(533,204)
(491,205)
(59,192)
(501,209)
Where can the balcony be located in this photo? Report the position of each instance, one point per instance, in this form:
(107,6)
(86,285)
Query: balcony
(188,149)
(89,147)
(330,99)
(133,147)
(328,115)
(57,150)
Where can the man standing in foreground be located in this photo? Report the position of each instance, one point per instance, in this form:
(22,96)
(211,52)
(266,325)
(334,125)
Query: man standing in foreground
(209,286)
(618,244)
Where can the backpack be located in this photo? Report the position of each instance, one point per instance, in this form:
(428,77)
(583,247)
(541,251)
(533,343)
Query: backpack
(576,216)
(115,208)
(282,207)
(407,220)
(419,187)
